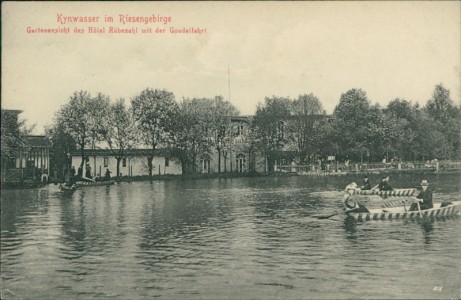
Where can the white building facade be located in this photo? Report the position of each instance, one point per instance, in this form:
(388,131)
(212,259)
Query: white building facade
(135,163)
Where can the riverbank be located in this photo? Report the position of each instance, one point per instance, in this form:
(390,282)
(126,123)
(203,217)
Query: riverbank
(30,185)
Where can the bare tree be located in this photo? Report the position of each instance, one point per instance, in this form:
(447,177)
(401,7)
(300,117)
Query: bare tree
(154,112)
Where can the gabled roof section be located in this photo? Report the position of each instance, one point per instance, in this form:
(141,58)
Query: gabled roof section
(246,119)
(38,141)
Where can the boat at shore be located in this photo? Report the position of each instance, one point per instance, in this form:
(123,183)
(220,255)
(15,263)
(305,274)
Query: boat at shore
(401,212)
(68,189)
(94,183)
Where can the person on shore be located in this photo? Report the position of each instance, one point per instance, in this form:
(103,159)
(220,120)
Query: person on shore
(366,184)
(107,175)
(425,197)
(80,172)
(349,203)
(384,184)
(88,171)
(72,176)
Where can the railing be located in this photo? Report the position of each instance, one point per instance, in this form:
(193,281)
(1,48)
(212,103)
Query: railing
(335,167)
(450,165)
(12,175)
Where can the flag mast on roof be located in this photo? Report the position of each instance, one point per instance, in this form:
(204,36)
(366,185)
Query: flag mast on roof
(228,81)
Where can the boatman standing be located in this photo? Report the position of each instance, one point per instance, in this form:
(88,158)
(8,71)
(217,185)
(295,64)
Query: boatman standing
(425,197)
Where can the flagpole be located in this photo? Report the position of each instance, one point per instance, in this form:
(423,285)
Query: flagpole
(228,81)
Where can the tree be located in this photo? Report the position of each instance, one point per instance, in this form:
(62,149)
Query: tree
(352,119)
(269,125)
(82,118)
(430,142)
(387,134)
(440,106)
(154,112)
(193,130)
(221,124)
(119,131)
(447,117)
(401,111)
(73,117)
(307,114)
(13,132)
(61,145)
(12,137)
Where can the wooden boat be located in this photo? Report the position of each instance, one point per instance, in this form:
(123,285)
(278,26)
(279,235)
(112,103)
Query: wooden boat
(94,183)
(69,189)
(393,193)
(401,212)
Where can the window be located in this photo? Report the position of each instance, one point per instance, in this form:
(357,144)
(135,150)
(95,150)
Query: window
(167,162)
(205,164)
(240,162)
(106,162)
(240,130)
(124,162)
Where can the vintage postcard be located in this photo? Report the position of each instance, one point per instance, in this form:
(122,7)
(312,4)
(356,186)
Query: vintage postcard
(231,150)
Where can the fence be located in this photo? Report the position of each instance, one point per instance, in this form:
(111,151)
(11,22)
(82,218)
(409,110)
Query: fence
(342,168)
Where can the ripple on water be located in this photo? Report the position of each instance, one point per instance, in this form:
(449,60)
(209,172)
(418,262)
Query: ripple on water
(246,238)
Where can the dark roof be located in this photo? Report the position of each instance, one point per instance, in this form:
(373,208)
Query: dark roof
(246,119)
(296,117)
(37,141)
(13,111)
(130,152)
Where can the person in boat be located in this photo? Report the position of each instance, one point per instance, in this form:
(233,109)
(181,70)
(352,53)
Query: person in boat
(425,197)
(384,184)
(350,204)
(107,175)
(366,184)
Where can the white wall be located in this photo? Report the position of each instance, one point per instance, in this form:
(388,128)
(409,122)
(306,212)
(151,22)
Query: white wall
(137,165)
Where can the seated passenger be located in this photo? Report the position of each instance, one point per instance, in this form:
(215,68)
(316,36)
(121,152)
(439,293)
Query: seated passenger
(349,203)
(366,184)
(384,184)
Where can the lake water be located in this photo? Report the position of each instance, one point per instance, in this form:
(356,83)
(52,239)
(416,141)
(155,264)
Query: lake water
(242,238)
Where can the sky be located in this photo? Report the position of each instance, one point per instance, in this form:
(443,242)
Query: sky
(258,49)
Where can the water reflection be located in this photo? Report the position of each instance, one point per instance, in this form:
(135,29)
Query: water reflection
(350,225)
(238,238)
(428,226)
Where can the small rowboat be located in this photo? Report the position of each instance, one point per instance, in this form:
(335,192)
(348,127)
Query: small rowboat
(94,183)
(394,213)
(394,193)
(66,188)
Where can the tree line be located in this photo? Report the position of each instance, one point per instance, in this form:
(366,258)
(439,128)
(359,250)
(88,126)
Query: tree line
(282,129)
(153,121)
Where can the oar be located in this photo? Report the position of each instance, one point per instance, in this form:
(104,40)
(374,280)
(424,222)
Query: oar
(374,188)
(419,209)
(337,213)
(327,216)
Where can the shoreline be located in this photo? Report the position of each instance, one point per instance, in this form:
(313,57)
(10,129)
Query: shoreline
(32,185)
